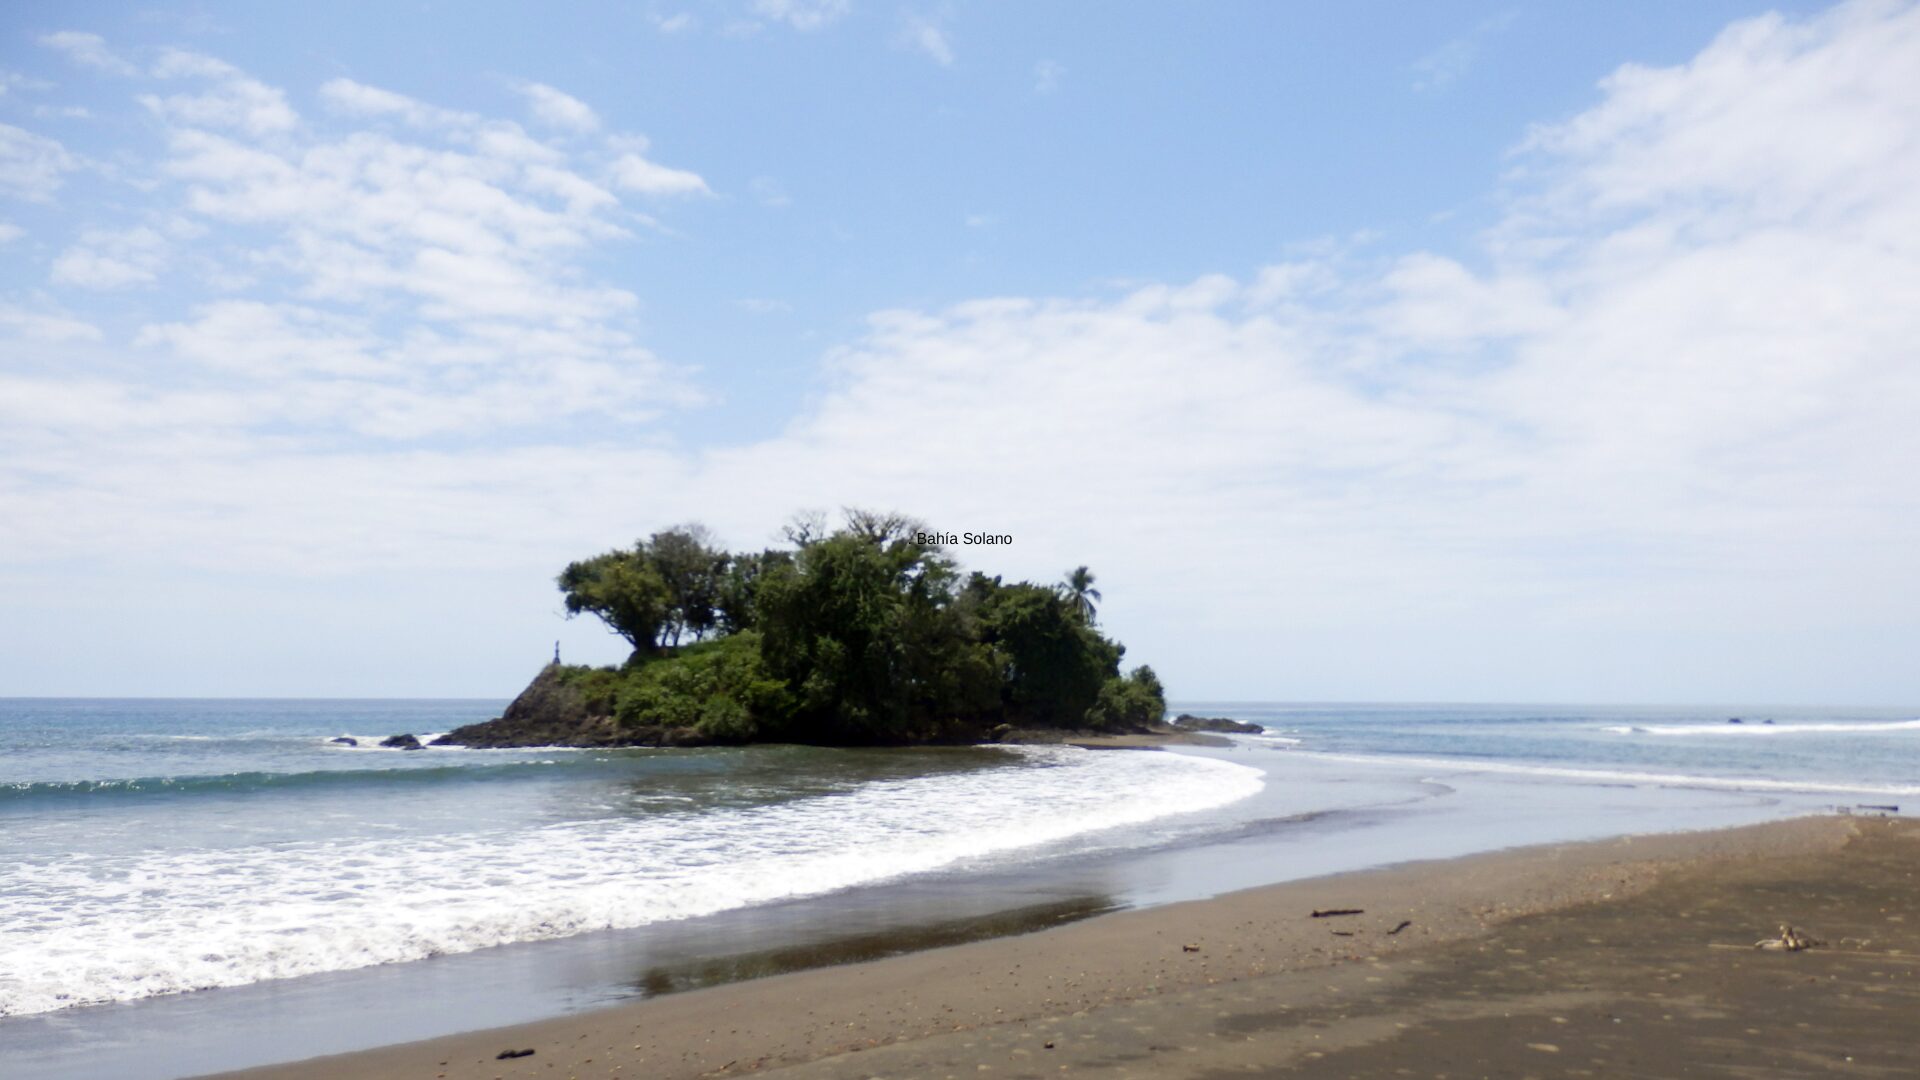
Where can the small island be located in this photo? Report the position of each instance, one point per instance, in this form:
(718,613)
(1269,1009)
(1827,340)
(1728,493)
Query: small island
(863,635)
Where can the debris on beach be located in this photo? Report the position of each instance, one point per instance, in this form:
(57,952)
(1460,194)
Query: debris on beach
(1790,940)
(1328,913)
(1404,923)
(1189,948)
(506,1054)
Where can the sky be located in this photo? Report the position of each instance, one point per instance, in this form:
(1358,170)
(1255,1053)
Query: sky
(1366,352)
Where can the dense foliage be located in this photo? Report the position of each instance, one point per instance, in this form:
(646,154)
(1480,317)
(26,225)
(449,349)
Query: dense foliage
(858,635)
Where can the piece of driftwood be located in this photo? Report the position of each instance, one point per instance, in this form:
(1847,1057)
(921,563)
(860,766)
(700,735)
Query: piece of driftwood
(1404,923)
(1790,940)
(1329,913)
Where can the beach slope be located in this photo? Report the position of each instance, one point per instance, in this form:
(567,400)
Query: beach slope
(1622,957)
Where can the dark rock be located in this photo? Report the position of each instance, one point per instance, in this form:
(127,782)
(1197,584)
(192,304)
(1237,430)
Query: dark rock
(401,742)
(1215,723)
(345,741)
(505,1055)
(1735,720)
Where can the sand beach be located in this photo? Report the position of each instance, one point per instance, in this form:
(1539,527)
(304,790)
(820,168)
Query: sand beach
(1630,956)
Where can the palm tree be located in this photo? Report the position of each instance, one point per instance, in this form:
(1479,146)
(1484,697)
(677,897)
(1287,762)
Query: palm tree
(1078,590)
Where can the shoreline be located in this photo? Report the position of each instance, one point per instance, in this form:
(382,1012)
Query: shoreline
(1077,993)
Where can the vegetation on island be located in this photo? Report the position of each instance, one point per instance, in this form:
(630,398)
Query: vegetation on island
(861,634)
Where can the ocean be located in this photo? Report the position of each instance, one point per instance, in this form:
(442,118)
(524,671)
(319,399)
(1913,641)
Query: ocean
(172,871)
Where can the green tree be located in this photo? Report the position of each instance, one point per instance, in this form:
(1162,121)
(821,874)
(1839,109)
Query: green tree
(857,625)
(624,590)
(1134,703)
(1079,592)
(693,570)
(737,608)
(1055,663)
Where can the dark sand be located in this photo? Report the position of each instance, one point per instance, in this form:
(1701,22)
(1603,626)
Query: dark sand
(1620,958)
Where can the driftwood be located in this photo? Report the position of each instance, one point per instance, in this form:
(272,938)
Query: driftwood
(1403,925)
(507,1054)
(1790,940)
(1331,912)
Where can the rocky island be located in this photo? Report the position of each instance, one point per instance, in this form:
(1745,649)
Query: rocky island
(865,635)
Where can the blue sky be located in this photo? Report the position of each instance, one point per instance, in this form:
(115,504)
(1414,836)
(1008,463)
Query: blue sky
(1441,351)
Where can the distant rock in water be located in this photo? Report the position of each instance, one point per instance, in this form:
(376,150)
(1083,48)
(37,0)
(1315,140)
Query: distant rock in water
(345,740)
(401,742)
(551,711)
(1215,723)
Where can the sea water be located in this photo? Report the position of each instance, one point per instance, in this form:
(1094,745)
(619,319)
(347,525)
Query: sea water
(234,850)
(150,848)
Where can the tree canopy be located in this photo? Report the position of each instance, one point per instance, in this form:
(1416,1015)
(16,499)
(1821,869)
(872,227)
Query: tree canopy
(859,634)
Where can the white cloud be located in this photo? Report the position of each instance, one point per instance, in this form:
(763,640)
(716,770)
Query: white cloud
(635,173)
(44,326)
(762,306)
(234,101)
(348,96)
(802,14)
(105,259)
(1452,59)
(32,166)
(88,50)
(673,24)
(9,232)
(926,34)
(403,284)
(559,110)
(769,192)
(12,80)
(1047,75)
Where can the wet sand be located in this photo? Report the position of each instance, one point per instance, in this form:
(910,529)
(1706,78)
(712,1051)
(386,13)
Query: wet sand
(1629,957)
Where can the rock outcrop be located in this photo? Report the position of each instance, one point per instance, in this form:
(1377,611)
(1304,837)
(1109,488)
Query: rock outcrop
(1190,722)
(551,711)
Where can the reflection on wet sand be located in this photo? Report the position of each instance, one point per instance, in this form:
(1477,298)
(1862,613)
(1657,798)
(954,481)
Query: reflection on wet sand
(857,948)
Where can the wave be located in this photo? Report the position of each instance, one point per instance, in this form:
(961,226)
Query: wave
(244,782)
(1621,776)
(79,930)
(1842,727)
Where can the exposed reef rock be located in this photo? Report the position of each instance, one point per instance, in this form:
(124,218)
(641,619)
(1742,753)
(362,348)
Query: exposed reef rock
(402,742)
(1215,723)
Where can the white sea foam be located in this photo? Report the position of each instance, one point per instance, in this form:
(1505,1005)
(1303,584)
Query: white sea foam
(1269,737)
(77,929)
(1623,776)
(1750,727)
